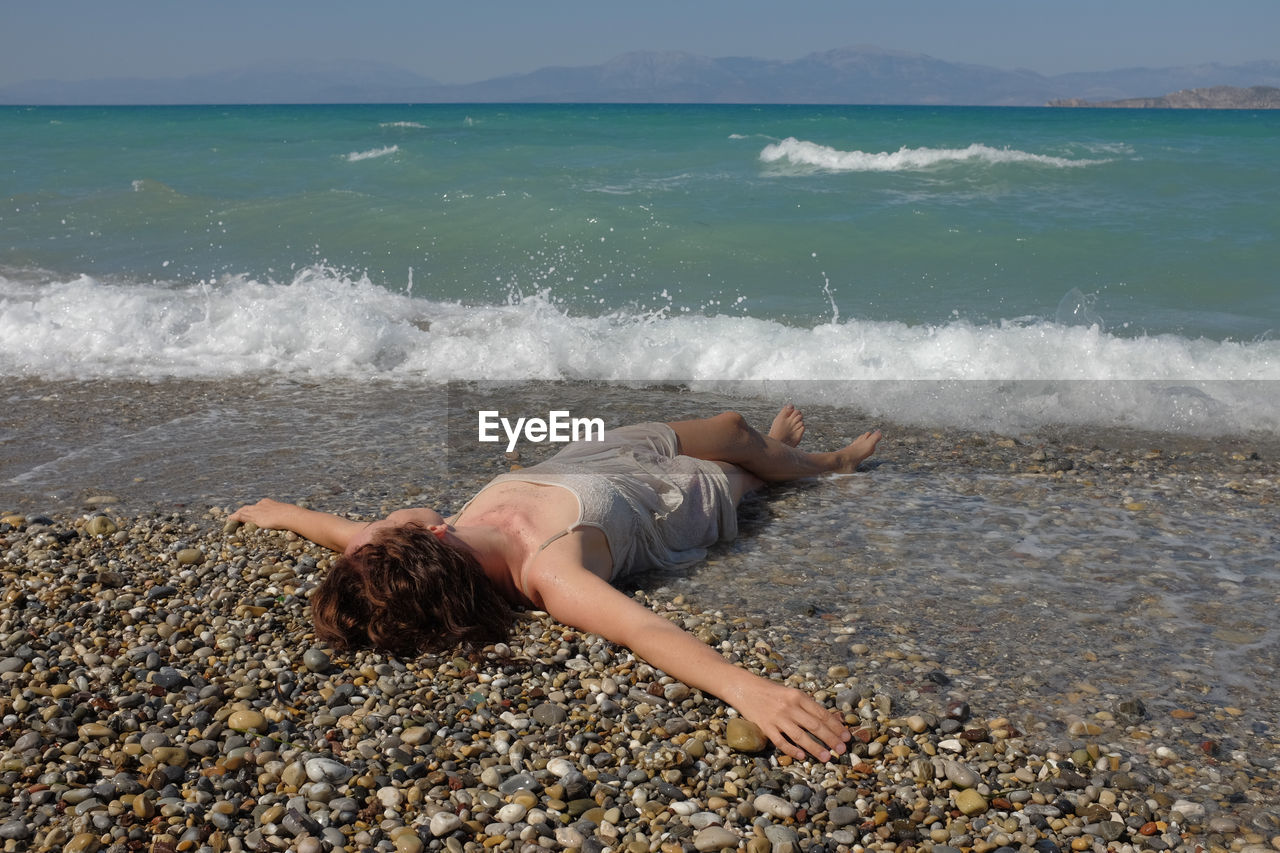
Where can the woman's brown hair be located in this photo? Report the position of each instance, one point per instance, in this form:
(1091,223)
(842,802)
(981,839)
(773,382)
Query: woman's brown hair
(407,592)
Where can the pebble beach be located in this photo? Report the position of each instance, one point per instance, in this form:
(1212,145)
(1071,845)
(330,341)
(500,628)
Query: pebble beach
(1048,642)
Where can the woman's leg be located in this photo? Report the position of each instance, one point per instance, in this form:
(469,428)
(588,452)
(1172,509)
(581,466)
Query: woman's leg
(729,438)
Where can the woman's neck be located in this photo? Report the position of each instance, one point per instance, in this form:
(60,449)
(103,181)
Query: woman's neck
(499,555)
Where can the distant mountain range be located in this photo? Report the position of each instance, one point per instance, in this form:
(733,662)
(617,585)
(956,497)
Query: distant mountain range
(853,75)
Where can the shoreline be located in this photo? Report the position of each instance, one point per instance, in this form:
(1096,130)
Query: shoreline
(198,443)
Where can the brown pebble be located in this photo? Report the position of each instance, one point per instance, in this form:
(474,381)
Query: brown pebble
(744,736)
(970,802)
(84,842)
(864,734)
(247,721)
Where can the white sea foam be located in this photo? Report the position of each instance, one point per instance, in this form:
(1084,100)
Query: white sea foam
(1007,376)
(407,124)
(356,156)
(798,153)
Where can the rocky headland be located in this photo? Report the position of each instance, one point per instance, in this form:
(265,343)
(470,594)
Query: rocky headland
(1208,98)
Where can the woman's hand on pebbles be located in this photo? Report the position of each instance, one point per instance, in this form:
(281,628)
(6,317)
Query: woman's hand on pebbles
(794,721)
(265,513)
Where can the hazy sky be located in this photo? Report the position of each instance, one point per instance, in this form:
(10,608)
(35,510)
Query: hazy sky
(461,42)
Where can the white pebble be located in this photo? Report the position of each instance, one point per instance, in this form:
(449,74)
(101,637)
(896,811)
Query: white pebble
(443,823)
(512,813)
(775,806)
(560,767)
(328,770)
(1189,810)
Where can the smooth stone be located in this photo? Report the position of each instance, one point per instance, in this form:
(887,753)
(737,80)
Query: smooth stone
(519,782)
(391,798)
(568,837)
(714,838)
(970,802)
(154,740)
(167,678)
(1189,810)
(328,770)
(961,775)
(15,830)
(843,816)
(190,556)
(415,735)
(560,767)
(443,823)
(316,660)
(84,842)
(247,721)
(779,834)
(407,841)
(100,525)
(1222,824)
(675,692)
(512,813)
(774,805)
(175,756)
(549,714)
(745,736)
(92,730)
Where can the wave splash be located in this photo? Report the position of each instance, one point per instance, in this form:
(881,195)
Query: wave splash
(372,153)
(800,153)
(326,324)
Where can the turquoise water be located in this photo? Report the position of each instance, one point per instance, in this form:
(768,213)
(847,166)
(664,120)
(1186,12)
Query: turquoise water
(652,242)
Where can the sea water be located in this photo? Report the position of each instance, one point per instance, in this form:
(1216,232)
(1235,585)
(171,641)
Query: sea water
(704,243)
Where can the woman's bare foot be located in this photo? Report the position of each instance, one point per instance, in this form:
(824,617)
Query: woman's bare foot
(849,458)
(788,426)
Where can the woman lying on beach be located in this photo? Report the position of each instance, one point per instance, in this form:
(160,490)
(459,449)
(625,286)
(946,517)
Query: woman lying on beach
(554,535)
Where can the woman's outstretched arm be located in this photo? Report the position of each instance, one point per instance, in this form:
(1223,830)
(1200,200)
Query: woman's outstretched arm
(790,718)
(329,531)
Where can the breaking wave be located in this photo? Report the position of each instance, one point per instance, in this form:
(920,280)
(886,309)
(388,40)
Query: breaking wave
(325,324)
(799,153)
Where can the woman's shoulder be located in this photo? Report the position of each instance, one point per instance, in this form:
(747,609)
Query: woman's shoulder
(571,556)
